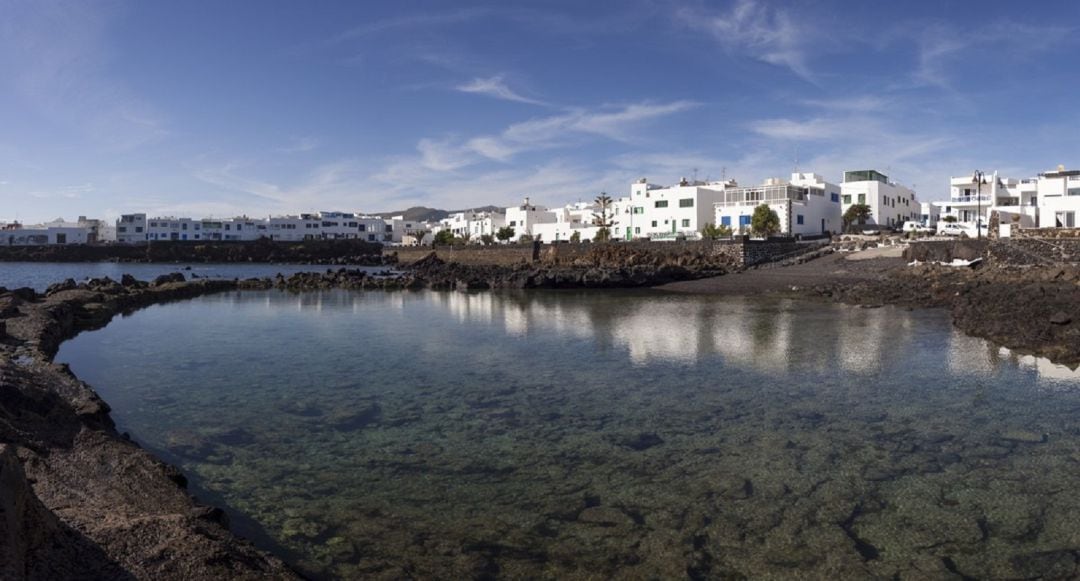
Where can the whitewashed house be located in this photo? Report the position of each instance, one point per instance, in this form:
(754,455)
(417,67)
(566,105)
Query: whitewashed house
(891,204)
(661,213)
(131,228)
(1058,199)
(524,217)
(807,205)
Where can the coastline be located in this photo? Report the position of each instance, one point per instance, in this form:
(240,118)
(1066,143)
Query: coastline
(82,493)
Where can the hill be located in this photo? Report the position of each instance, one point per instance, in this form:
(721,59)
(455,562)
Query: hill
(423,213)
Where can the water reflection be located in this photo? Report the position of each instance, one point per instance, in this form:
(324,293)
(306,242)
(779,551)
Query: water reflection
(603,435)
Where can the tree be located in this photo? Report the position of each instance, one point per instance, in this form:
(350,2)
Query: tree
(525,238)
(856,214)
(603,218)
(575,237)
(505,233)
(949,219)
(443,238)
(764,222)
(711,231)
(487,239)
(419,236)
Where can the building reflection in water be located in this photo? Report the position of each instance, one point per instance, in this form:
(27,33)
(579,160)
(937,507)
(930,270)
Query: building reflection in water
(771,336)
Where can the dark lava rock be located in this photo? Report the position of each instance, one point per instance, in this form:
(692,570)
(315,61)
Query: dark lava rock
(25,293)
(167,278)
(68,284)
(348,420)
(1060,318)
(643,441)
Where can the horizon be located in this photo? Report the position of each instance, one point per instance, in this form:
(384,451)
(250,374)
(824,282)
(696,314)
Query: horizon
(207,110)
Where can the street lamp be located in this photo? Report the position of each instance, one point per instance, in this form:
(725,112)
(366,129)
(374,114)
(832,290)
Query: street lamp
(978,179)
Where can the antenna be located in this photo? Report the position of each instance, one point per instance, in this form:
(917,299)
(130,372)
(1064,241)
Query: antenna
(723,174)
(695,175)
(796,160)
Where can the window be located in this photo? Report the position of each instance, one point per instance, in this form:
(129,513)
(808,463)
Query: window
(138,229)
(121,229)
(363,227)
(389,227)
(513,223)
(686,203)
(744,220)
(183,226)
(637,230)
(725,221)
(799,219)
(1073,192)
(661,203)
(654,223)
(371,237)
(847,198)
(836,197)
(639,210)
(685,223)
(862,198)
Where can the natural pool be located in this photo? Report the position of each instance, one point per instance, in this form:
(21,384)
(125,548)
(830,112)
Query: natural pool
(598,435)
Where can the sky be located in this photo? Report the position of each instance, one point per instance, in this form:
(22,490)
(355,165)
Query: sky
(208,108)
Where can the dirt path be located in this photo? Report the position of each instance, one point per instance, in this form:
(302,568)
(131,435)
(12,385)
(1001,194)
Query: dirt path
(854,267)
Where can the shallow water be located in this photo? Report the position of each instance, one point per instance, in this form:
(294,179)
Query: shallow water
(630,435)
(39,275)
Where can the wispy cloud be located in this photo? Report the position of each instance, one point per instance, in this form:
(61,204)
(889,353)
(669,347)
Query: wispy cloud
(54,54)
(301,144)
(860,104)
(756,29)
(497,88)
(941,48)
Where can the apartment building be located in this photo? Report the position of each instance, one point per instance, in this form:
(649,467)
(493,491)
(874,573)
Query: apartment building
(660,213)
(891,204)
(806,204)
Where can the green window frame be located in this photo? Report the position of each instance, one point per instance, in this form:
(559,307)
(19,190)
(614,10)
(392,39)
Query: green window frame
(660,204)
(686,203)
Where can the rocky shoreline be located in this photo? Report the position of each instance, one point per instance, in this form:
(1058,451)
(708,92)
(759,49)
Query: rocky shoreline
(80,499)
(354,252)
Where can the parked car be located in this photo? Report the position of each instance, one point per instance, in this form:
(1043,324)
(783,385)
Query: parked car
(916,227)
(958,228)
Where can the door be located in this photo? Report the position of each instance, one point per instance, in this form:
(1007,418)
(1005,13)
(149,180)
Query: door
(823,225)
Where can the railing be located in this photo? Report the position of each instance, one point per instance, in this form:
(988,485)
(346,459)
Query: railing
(963,199)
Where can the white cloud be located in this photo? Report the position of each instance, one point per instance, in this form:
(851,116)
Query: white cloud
(860,104)
(758,30)
(497,88)
(817,129)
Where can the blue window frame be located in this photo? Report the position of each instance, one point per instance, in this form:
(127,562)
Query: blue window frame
(835,197)
(744,220)
(798,219)
(725,220)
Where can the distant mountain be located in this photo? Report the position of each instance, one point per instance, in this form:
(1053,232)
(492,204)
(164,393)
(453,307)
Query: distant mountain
(423,213)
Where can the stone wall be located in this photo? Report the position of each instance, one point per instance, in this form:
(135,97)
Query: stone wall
(945,250)
(1035,251)
(740,251)
(1046,233)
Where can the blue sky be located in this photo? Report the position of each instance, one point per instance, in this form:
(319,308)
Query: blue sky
(222,108)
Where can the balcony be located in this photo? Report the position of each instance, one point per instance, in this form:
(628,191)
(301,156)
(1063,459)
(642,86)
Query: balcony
(970,199)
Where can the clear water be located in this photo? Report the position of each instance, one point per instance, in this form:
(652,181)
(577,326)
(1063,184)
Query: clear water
(603,435)
(39,275)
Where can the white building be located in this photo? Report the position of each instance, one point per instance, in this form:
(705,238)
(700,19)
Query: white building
(485,224)
(661,213)
(524,217)
(1058,198)
(891,204)
(56,232)
(807,205)
(929,214)
(131,228)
